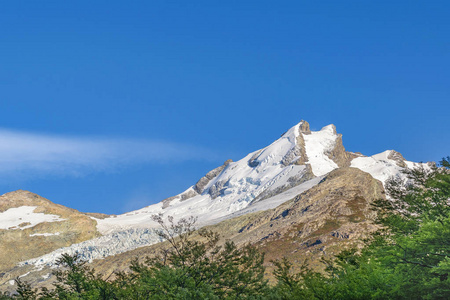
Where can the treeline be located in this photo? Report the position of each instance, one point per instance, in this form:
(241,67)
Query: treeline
(409,258)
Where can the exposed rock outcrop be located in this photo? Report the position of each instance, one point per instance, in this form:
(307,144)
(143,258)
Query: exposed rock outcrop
(166,202)
(217,189)
(200,185)
(297,155)
(253,161)
(304,127)
(398,158)
(338,154)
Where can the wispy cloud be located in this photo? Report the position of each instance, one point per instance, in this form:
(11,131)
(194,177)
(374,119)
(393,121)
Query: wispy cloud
(31,153)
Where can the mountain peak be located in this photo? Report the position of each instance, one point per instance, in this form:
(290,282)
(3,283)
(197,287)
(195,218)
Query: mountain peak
(21,193)
(330,128)
(303,127)
(20,198)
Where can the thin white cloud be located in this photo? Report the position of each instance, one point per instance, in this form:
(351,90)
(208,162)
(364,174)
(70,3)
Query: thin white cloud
(33,154)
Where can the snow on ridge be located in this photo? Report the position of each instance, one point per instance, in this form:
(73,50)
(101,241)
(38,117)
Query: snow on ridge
(381,167)
(383,155)
(15,216)
(317,144)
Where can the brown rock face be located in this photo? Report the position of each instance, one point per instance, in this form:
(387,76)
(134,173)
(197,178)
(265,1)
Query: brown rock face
(304,127)
(299,152)
(200,185)
(338,154)
(398,157)
(18,245)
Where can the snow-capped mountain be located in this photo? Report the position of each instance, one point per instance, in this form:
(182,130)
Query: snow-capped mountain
(262,180)
(298,157)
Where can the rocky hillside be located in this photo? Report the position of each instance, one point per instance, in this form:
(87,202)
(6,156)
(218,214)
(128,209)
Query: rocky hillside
(32,226)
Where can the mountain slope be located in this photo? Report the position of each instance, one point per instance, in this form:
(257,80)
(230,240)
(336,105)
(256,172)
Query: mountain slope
(31,226)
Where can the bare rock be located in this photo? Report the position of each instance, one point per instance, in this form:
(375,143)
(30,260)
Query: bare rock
(188,194)
(217,189)
(253,161)
(297,155)
(338,154)
(398,158)
(304,127)
(166,202)
(200,185)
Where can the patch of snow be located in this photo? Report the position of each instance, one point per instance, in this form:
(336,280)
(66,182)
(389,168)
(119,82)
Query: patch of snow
(26,274)
(13,217)
(317,145)
(45,234)
(412,165)
(381,167)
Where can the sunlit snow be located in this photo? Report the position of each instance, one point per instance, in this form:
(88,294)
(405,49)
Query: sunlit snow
(380,166)
(317,144)
(45,234)
(13,218)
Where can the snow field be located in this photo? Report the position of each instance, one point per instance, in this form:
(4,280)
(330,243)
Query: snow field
(13,217)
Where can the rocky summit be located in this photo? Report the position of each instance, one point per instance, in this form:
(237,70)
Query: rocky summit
(303,196)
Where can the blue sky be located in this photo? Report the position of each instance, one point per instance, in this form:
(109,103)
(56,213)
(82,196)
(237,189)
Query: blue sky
(108,106)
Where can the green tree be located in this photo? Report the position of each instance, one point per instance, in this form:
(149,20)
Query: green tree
(75,280)
(415,242)
(5,296)
(198,268)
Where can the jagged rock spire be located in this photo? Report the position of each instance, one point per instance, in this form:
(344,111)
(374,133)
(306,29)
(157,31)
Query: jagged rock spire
(304,127)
